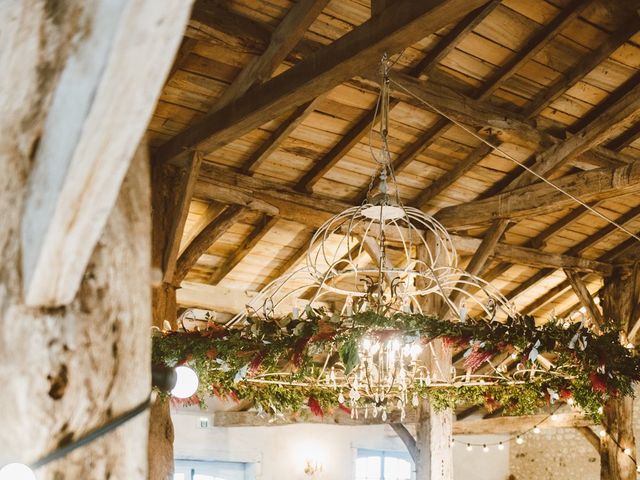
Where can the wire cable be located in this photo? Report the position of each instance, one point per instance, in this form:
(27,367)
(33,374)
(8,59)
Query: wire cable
(516,161)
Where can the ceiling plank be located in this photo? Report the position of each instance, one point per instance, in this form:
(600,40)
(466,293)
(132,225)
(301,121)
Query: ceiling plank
(449,42)
(95,123)
(257,234)
(207,237)
(279,135)
(536,43)
(405,24)
(582,68)
(542,198)
(453,175)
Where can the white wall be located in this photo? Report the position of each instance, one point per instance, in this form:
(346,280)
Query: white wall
(281,451)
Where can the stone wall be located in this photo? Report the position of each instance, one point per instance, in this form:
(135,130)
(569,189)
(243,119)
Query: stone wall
(563,453)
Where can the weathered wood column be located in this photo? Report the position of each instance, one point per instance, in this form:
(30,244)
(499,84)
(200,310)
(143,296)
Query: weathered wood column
(620,297)
(161,434)
(434,430)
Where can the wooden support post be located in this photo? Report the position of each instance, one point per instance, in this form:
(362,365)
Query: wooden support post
(619,298)
(99,111)
(434,430)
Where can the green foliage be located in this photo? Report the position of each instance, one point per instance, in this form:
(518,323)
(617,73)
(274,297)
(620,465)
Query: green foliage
(587,367)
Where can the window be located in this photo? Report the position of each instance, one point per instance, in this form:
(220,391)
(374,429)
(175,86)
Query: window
(383,465)
(198,470)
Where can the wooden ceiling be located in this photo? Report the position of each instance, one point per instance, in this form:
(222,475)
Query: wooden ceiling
(262,132)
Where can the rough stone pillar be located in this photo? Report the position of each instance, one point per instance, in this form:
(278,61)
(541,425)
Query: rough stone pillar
(619,299)
(70,369)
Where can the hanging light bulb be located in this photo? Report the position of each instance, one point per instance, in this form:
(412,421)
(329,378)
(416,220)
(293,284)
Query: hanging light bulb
(485,449)
(186,382)
(536,429)
(519,440)
(500,446)
(16,471)
(602,433)
(627,451)
(469,447)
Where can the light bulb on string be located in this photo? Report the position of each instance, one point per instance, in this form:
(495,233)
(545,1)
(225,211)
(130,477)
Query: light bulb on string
(186,382)
(519,440)
(536,429)
(627,451)
(602,433)
(16,471)
(485,449)
(500,446)
(469,447)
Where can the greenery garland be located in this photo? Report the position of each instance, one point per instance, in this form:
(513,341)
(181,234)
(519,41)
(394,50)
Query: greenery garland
(588,368)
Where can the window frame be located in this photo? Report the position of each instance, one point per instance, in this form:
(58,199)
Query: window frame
(382,454)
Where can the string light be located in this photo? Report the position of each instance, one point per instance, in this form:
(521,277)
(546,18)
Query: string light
(186,383)
(536,429)
(469,447)
(16,471)
(627,451)
(519,440)
(500,446)
(485,449)
(602,433)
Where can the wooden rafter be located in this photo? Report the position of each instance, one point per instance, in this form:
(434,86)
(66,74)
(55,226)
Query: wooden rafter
(583,294)
(257,234)
(207,237)
(280,134)
(541,198)
(323,70)
(285,37)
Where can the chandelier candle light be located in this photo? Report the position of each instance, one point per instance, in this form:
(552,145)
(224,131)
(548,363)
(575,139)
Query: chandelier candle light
(380,283)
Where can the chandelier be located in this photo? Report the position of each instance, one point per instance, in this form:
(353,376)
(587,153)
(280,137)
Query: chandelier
(386,261)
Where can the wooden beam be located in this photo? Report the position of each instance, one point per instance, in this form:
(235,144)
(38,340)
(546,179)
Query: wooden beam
(219,299)
(220,184)
(449,42)
(96,121)
(583,67)
(590,436)
(534,44)
(609,124)
(279,135)
(212,211)
(408,22)
(257,234)
(183,186)
(499,425)
(583,294)
(479,259)
(541,198)
(285,37)
(206,238)
(409,442)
